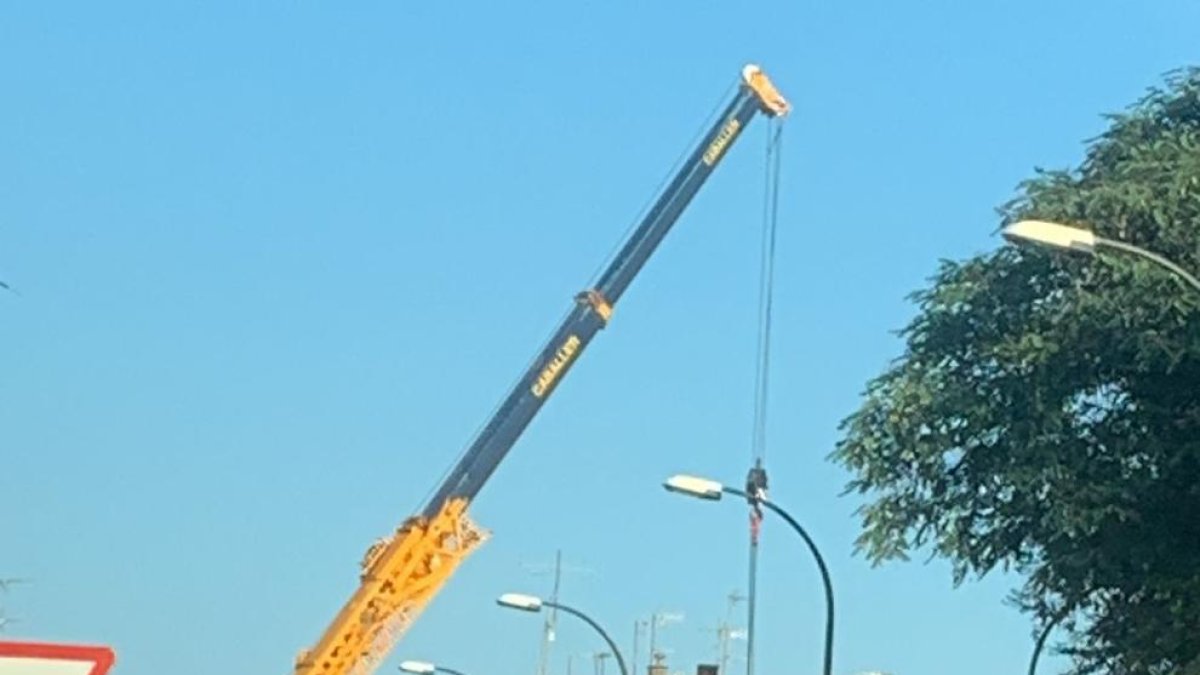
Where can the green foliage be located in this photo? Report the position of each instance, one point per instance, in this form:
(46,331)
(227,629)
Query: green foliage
(1045,415)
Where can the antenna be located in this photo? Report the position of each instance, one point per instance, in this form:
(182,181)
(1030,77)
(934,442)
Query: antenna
(657,620)
(5,584)
(600,657)
(638,626)
(550,624)
(727,633)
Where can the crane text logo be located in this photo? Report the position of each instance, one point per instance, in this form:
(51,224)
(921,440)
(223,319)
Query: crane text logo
(550,373)
(713,153)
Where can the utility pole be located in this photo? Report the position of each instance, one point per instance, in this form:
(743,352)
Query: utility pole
(756,488)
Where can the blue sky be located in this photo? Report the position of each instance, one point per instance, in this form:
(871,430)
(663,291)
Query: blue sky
(278,261)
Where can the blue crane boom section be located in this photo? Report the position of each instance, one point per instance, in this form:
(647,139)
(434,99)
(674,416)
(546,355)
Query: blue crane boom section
(593,307)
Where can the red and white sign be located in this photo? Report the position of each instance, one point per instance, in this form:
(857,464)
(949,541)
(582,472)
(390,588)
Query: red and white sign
(40,658)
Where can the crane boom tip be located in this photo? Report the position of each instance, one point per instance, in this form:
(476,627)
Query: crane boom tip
(773,102)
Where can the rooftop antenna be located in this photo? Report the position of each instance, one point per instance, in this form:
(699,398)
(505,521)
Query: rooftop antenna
(550,623)
(659,619)
(599,660)
(727,632)
(638,626)
(6,584)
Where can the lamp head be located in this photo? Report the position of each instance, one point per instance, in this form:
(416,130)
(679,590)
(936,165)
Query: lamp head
(694,486)
(528,603)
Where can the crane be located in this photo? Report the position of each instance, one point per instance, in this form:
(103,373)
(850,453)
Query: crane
(400,574)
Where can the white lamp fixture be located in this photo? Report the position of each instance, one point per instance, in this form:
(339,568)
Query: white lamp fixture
(528,603)
(1051,234)
(694,486)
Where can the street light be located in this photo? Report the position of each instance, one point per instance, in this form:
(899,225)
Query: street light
(703,488)
(1041,642)
(425,668)
(1055,235)
(1056,619)
(532,603)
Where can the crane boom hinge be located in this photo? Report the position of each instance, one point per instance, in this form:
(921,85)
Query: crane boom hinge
(598,302)
(400,575)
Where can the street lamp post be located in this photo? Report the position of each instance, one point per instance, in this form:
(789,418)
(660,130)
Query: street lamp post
(1056,235)
(531,603)
(1041,642)
(703,488)
(426,668)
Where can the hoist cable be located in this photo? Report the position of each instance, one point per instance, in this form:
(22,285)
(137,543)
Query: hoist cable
(766,299)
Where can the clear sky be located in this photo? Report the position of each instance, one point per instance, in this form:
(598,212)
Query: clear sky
(278,261)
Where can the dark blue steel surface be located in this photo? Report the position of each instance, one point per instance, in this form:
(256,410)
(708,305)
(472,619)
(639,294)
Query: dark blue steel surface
(522,404)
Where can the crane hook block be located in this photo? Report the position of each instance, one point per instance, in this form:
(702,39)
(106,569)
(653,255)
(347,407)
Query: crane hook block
(773,102)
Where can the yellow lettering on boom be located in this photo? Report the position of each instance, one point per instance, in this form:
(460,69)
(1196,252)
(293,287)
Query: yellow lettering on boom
(717,147)
(561,359)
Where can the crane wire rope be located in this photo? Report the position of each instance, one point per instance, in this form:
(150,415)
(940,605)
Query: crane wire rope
(766,298)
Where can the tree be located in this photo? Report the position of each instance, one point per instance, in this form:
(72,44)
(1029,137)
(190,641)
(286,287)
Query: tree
(1045,414)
